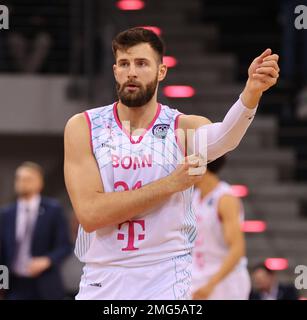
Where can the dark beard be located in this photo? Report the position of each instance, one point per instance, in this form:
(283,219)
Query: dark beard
(138,98)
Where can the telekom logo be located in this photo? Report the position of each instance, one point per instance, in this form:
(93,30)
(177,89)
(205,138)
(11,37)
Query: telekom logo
(132,233)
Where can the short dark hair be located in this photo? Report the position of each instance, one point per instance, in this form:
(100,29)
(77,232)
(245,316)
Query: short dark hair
(217,165)
(262,266)
(134,36)
(34,166)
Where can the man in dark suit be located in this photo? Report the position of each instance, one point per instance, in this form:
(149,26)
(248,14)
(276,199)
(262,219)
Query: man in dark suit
(34,239)
(267,287)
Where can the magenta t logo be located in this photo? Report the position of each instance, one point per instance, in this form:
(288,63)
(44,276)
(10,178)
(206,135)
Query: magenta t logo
(132,233)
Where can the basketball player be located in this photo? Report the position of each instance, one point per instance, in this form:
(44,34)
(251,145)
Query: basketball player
(219,266)
(129,183)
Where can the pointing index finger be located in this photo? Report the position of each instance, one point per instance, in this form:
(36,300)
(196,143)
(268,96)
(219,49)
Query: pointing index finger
(265,53)
(273,57)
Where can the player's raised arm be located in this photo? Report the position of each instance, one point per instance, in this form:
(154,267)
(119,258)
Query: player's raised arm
(95,208)
(224,136)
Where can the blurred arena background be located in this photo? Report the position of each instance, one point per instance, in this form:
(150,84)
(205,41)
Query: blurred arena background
(210,45)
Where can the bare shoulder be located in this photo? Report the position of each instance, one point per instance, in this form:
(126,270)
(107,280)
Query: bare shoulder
(192,121)
(77,121)
(229,199)
(77,132)
(229,203)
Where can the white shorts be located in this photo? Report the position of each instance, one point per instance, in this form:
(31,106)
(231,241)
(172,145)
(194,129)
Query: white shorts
(236,286)
(167,280)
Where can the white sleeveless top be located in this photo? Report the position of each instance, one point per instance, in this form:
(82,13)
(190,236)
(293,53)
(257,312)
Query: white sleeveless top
(162,233)
(210,247)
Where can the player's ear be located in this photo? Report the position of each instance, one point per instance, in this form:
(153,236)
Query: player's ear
(162,72)
(115,71)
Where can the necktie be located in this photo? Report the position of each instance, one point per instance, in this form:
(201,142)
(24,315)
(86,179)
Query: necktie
(28,225)
(23,247)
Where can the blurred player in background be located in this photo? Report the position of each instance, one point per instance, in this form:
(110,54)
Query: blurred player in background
(219,265)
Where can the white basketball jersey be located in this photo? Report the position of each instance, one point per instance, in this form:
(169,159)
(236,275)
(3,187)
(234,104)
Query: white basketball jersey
(210,247)
(126,163)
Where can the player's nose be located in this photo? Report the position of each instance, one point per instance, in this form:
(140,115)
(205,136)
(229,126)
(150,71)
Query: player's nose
(132,71)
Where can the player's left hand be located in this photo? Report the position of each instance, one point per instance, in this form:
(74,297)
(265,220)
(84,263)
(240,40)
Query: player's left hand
(263,72)
(203,292)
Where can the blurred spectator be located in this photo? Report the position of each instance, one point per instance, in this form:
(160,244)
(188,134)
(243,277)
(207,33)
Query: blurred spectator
(30,40)
(267,287)
(34,239)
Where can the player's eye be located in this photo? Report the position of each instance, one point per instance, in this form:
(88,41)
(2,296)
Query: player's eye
(142,63)
(123,64)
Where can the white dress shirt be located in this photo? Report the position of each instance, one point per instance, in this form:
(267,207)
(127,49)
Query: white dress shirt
(26,209)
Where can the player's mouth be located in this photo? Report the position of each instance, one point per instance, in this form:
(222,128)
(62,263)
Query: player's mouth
(132,87)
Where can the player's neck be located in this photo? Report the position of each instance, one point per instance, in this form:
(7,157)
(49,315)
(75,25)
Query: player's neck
(138,118)
(208,184)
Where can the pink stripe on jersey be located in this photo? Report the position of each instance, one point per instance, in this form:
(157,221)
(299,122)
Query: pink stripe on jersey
(90,128)
(176,136)
(128,133)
